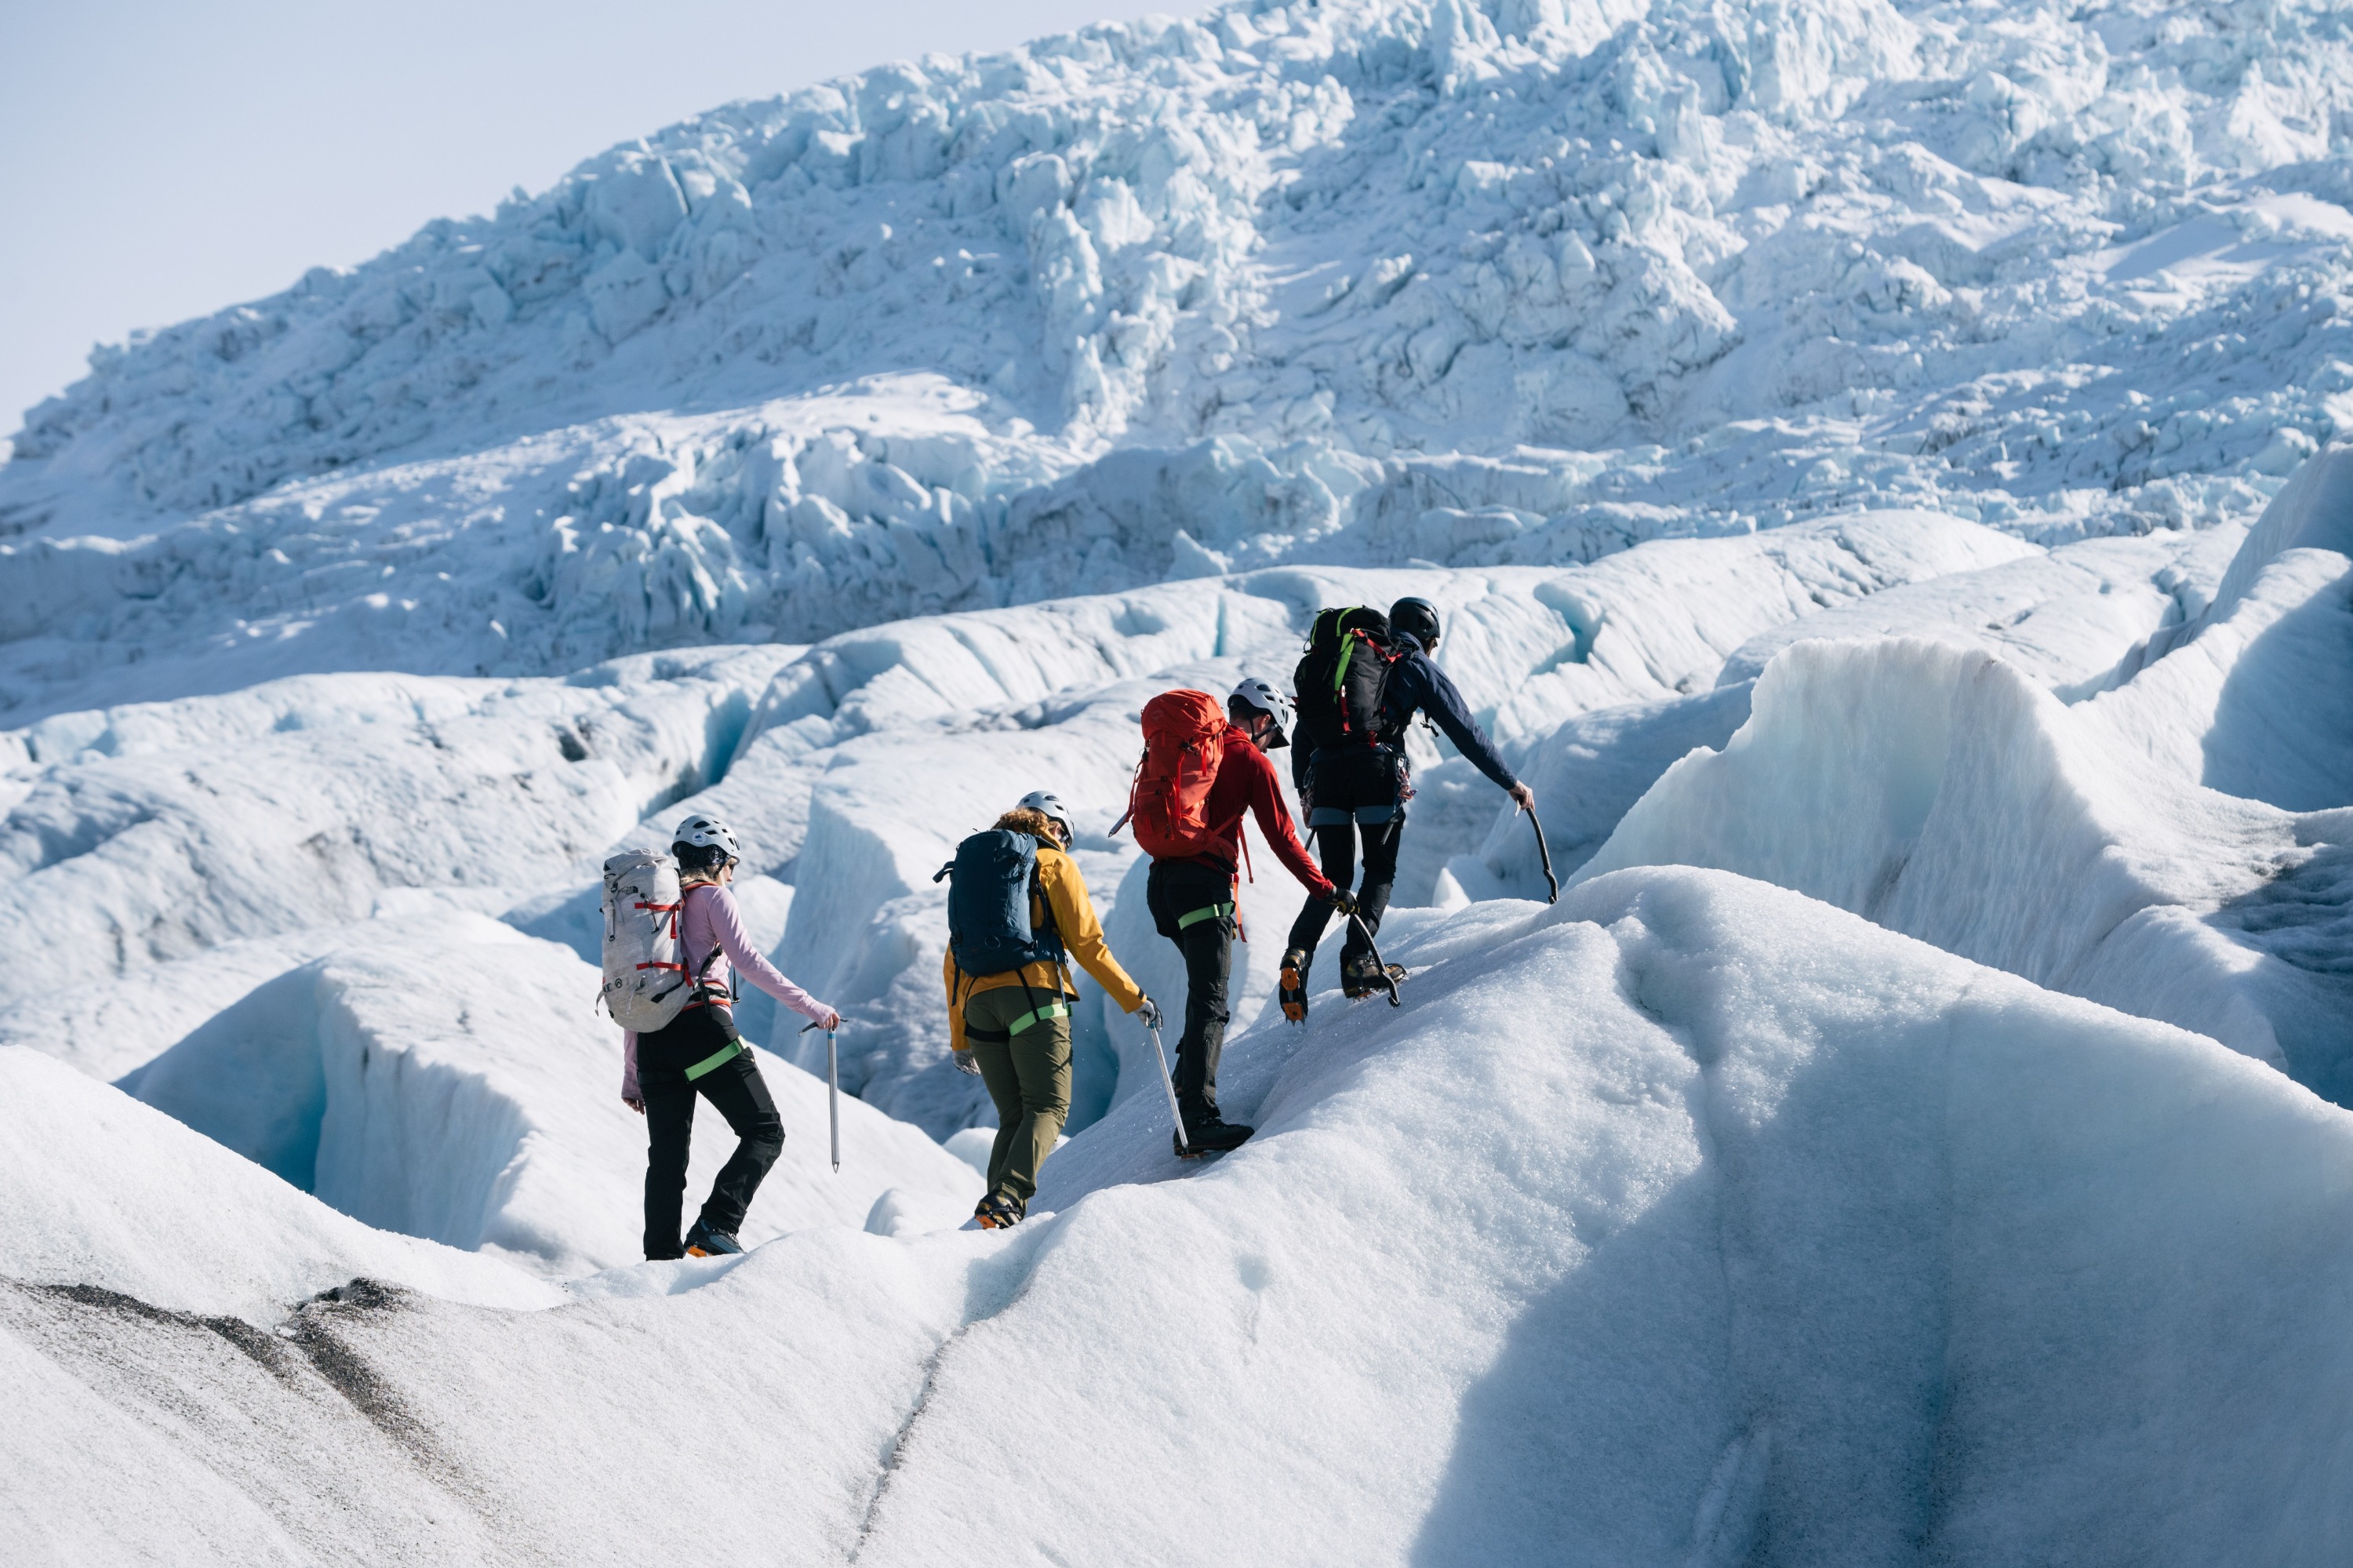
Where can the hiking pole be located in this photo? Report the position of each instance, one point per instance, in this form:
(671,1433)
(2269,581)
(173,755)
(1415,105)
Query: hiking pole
(1387,979)
(1544,854)
(1169,1090)
(832,1094)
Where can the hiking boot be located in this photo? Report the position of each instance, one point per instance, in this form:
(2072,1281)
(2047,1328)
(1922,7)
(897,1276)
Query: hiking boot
(704,1241)
(1290,987)
(999,1211)
(1212,1136)
(1360,976)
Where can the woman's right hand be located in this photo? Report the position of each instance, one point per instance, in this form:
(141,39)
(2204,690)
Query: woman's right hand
(635,1103)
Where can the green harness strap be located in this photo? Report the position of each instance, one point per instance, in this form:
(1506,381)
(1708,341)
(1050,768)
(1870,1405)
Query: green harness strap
(1037,1016)
(718,1059)
(1214,912)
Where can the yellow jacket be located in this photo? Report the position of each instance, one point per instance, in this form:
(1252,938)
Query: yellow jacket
(1075,916)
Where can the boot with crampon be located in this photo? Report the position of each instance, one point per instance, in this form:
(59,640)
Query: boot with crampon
(1360,976)
(1290,987)
(704,1241)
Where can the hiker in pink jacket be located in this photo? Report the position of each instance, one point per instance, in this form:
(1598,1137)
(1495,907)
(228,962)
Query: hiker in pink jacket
(699,1053)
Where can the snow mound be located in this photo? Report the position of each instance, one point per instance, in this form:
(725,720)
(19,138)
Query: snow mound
(452,1081)
(99,1193)
(1941,792)
(1690,1221)
(1481,283)
(143,835)
(2078,621)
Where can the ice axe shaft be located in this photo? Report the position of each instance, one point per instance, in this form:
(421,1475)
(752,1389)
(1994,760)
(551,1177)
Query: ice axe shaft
(833,1098)
(1543,852)
(832,1094)
(1387,979)
(1169,1088)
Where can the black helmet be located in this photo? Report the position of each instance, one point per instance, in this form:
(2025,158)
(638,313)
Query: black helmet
(1417,618)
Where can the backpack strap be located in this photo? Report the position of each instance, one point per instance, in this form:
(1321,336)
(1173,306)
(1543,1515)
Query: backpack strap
(702,977)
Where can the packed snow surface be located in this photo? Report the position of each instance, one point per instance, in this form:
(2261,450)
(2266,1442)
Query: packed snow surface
(1689,1221)
(1881,471)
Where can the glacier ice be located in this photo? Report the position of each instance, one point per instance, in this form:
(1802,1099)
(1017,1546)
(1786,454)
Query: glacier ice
(448,1079)
(1890,450)
(1686,1217)
(1937,789)
(1361,283)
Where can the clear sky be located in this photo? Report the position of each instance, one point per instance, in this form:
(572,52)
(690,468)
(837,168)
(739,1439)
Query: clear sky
(159,160)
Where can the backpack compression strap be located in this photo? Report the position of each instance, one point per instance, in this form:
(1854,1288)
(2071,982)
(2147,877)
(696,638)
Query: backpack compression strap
(673,911)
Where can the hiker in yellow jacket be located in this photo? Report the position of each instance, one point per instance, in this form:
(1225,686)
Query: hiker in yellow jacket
(1012,1026)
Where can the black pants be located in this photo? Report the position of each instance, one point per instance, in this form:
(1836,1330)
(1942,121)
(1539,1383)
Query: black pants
(736,1088)
(1346,787)
(1178,891)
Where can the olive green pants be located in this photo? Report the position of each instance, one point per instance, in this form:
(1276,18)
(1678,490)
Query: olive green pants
(1027,1072)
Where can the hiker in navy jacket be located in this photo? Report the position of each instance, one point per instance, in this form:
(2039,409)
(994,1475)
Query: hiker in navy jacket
(1366,785)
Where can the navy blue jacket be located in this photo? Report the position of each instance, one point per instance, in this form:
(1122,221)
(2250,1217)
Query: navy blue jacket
(1417,685)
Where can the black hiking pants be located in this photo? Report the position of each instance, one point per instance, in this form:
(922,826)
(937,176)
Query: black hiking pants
(1352,789)
(1192,906)
(734,1086)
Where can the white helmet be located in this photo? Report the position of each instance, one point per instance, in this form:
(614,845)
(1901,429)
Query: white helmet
(1266,699)
(708,833)
(1050,805)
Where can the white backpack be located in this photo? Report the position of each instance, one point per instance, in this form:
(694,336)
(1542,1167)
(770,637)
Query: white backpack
(646,981)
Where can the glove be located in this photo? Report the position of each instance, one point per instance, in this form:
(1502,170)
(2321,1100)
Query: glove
(1344,901)
(966,1062)
(1149,1011)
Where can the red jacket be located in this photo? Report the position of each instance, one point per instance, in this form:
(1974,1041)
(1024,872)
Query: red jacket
(1246,784)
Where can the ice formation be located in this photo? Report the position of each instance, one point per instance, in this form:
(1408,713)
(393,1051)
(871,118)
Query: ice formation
(1363,282)
(1881,471)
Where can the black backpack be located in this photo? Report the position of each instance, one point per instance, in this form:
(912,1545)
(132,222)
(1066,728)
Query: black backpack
(990,883)
(1342,678)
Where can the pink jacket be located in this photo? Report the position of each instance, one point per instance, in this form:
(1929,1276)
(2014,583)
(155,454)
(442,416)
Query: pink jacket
(710,919)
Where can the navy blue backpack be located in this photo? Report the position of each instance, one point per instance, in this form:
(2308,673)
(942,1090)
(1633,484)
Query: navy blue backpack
(989,885)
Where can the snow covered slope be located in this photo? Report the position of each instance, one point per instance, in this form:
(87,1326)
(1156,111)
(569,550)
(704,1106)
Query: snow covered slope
(101,1193)
(1475,281)
(2134,849)
(451,1079)
(1892,451)
(1689,1221)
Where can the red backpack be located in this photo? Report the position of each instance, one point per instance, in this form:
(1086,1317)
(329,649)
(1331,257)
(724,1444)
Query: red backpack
(1183,742)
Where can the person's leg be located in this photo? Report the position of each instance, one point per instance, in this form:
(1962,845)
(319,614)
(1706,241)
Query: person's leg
(1381,843)
(1380,815)
(670,1125)
(1041,1059)
(1182,897)
(740,1094)
(1208,950)
(1335,848)
(986,1014)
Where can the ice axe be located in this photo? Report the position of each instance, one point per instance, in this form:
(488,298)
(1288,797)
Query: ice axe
(832,1094)
(1169,1090)
(1543,852)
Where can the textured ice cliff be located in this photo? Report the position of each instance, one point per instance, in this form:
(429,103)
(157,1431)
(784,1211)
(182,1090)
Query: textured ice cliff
(1361,283)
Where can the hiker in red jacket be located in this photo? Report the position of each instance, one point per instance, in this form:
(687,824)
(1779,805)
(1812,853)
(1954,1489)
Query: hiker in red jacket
(1196,845)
